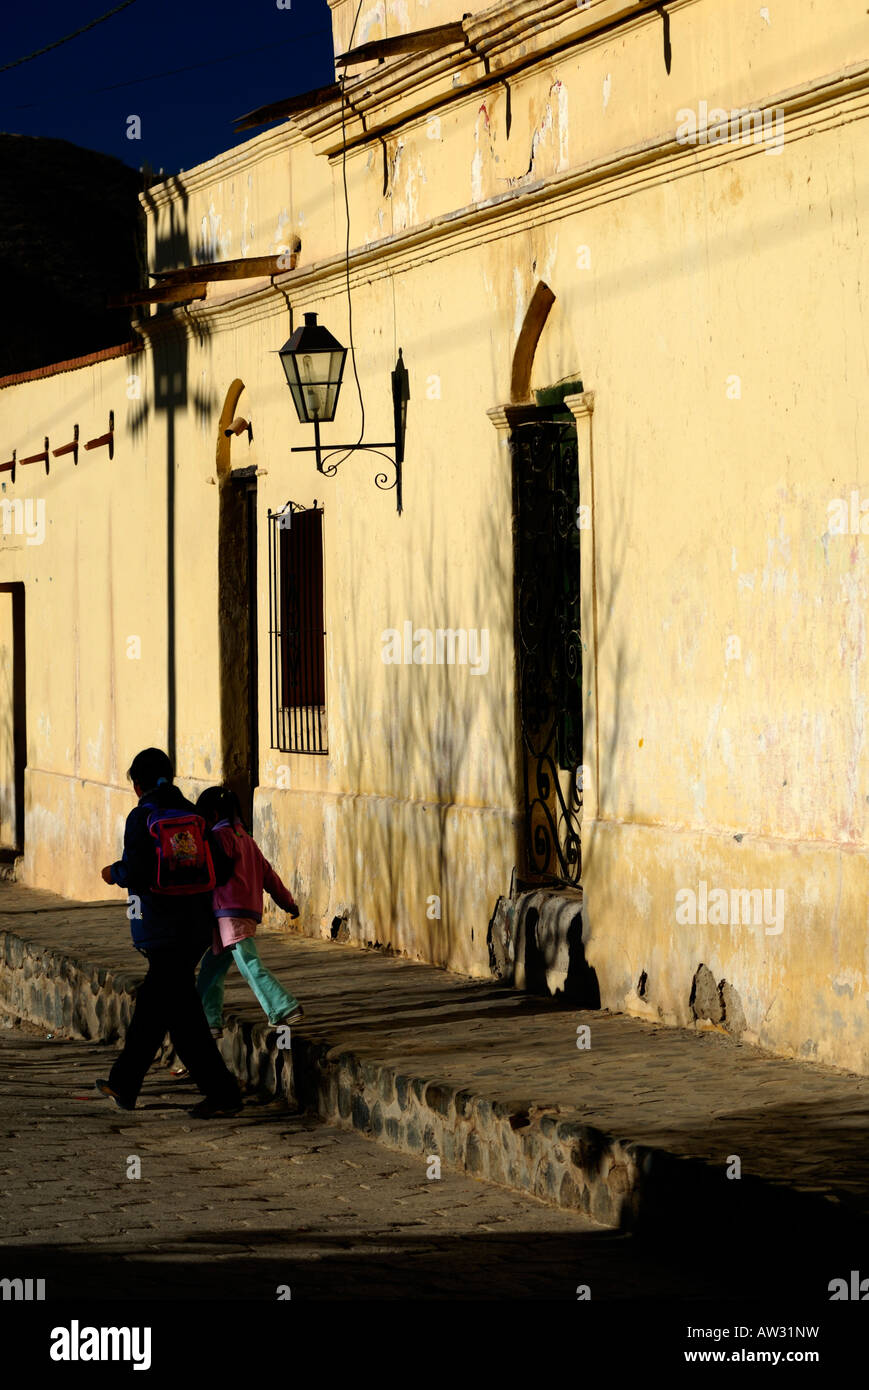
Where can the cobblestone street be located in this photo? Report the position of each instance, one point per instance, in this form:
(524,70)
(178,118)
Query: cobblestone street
(240,1207)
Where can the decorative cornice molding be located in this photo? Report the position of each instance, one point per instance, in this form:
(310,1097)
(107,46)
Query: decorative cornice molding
(537,26)
(808,109)
(504,38)
(224,165)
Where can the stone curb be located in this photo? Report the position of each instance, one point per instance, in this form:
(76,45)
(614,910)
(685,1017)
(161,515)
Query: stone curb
(522,1147)
(83,1000)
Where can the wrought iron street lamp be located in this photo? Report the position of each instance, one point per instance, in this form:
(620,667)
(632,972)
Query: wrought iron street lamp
(314,365)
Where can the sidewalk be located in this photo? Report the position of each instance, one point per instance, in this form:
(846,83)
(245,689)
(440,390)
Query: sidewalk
(637,1131)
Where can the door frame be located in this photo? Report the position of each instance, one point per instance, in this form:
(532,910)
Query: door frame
(506,418)
(19,704)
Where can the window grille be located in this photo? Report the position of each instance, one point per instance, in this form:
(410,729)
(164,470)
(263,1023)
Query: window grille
(296,630)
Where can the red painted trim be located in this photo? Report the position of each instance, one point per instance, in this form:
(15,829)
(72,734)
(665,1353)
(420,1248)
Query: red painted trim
(73,364)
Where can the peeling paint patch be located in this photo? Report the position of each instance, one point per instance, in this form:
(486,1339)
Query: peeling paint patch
(482,133)
(607,88)
(846,983)
(375,18)
(477,175)
(213,245)
(549,263)
(563,127)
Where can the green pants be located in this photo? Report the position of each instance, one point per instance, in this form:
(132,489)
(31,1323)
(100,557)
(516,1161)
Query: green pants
(273,998)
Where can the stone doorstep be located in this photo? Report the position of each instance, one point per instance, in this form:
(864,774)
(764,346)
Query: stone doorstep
(526,1148)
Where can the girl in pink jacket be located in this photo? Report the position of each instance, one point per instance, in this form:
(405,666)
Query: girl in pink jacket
(238,908)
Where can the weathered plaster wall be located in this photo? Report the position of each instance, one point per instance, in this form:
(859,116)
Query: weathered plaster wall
(95,610)
(7,725)
(251,201)
(710,299)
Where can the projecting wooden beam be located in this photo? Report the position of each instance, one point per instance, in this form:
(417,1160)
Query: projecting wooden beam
(163,294)
(435,37)
(103,439)
(275,110)
(71,448)
(37,458)
(191,281)
(243,268)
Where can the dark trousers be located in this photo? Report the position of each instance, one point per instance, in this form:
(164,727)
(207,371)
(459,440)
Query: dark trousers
(167,1002)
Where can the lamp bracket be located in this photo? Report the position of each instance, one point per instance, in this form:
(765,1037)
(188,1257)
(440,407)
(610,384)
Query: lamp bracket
(395,456)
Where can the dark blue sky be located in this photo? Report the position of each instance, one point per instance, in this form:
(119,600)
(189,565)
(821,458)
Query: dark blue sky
(240,55)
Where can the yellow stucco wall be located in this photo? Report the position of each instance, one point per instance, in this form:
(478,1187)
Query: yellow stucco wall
(8,836)
(710,298)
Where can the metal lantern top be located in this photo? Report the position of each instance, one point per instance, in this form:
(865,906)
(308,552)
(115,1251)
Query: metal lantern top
(314,364)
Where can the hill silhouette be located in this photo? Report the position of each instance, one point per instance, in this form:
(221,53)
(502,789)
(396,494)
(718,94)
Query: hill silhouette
(71,234)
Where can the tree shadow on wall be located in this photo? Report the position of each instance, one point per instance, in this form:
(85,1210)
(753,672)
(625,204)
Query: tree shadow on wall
(171,394)
(426,740)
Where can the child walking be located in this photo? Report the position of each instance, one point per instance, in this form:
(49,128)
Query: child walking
(168,867)
(238,908)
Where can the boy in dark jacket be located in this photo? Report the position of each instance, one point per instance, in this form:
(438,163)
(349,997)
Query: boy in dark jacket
(172,933)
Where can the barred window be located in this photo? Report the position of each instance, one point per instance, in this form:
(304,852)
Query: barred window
(297,632)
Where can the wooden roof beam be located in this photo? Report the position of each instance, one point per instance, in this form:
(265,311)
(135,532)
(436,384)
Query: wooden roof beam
(243,268)
(191,281)
(162,294)
(275,110)
(436,37)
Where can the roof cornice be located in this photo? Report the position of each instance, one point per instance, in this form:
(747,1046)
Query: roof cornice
(238,159)
(504,39)
(808,109)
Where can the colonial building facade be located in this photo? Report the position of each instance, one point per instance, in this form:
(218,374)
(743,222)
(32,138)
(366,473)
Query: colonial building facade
(614,638)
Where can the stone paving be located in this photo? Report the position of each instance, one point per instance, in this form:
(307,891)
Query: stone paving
(449,1060)
(237,1208)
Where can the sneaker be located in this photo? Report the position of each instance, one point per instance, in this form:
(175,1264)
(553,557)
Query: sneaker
(216,1033)
(105,1089)
(215,1109)
(294,1016)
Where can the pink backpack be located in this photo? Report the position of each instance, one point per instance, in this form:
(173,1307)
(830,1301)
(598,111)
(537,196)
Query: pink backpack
(184,863)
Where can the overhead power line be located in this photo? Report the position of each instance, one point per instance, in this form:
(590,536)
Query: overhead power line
(28,58)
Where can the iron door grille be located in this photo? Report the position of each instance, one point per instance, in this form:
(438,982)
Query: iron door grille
(549,645)
(297,631)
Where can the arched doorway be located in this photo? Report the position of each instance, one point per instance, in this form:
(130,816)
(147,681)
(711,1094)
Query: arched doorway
(542,429)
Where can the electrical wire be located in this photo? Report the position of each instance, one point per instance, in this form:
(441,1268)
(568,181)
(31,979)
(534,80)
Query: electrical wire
(347,246)
(66,38)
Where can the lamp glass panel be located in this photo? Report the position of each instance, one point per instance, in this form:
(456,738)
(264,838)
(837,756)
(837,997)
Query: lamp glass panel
(320,376)
(296,392)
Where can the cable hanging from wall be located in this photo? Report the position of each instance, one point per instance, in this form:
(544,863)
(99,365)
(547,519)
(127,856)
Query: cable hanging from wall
(347,243)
